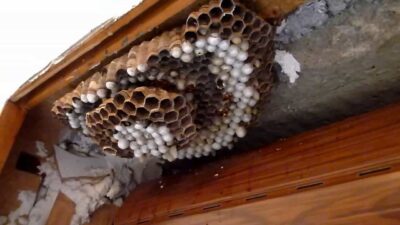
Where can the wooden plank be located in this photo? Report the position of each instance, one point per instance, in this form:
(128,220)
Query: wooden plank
(143,21)
(64,209)
(348,150)
(11,119)
(369,201)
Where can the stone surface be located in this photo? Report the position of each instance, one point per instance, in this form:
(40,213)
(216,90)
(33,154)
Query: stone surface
(350,65)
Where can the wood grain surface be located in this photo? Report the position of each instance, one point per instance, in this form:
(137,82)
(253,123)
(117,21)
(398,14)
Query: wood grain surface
(372,201)
(352,149)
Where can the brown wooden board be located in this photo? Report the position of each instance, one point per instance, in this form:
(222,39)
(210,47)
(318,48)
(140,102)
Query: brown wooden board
(352,149)
(373,201)
(11,119)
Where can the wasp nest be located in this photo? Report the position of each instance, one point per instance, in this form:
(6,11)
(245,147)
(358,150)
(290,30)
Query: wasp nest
(183,94)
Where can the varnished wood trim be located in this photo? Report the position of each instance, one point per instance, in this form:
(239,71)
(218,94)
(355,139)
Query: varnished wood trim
(11,119)
(356,148)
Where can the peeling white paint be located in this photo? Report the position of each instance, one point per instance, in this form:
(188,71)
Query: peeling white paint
(290,66)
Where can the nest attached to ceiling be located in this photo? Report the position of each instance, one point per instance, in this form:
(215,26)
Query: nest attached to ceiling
(185,93)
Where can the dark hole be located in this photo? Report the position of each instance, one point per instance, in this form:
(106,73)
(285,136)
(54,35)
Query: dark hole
(191,36)
(121,114)
(111,108)
(204,19)
(212,206)
(114,120)
(166,104)
(151,103)
(129,107)
(237,26)
(256,197)
(248,17)
(226,19)
(178,102)
(190,130)
(28,163)
(227,4)
(255,36)
(256,23)
(215,27)
(226,33)
(138,97)
(215,12)
(103,113)
(96,116)
(373,171)
(185,121)
(176,214)
(156,115)
(153,59)
(238,11)
(126,123)
(192,22)
(171,116)
(119,99)
(307,186)
(266,29)
(142,112)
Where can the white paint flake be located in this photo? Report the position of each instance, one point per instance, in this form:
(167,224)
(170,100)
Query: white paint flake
(290,66)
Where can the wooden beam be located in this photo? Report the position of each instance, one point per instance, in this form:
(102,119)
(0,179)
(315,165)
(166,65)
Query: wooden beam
(11,118)
(111,40)
(364,202)
(352,149)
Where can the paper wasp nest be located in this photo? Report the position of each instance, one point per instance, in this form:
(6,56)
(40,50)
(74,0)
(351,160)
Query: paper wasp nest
(183,94)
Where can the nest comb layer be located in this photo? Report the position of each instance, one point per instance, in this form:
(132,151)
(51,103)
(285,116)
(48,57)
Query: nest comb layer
(185,93)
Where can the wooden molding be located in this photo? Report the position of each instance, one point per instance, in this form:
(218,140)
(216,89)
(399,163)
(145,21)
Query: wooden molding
(370,201)
(349,150)
(11,119)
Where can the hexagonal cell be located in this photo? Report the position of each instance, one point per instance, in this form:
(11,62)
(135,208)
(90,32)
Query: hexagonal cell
(138,97)
(129,107)
(142,113)
(103,113)
(266,29)
(247,31)
(238,11)
(110,107)
(191,36)
(174,125)
(248,17)
(96,116)
(216,13)
(238,26)
(215,27)
(119,99)
(192,22)
(170,116)
(156,116)
(227,20)
(204,19)
(185,121)
(115,120)
(227,5)
(179,101)
(153,59)
(183,112)
(166,104)
(190,130)
(226,33)
(121,114)
(151,103)
(256,23)
(255,36)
